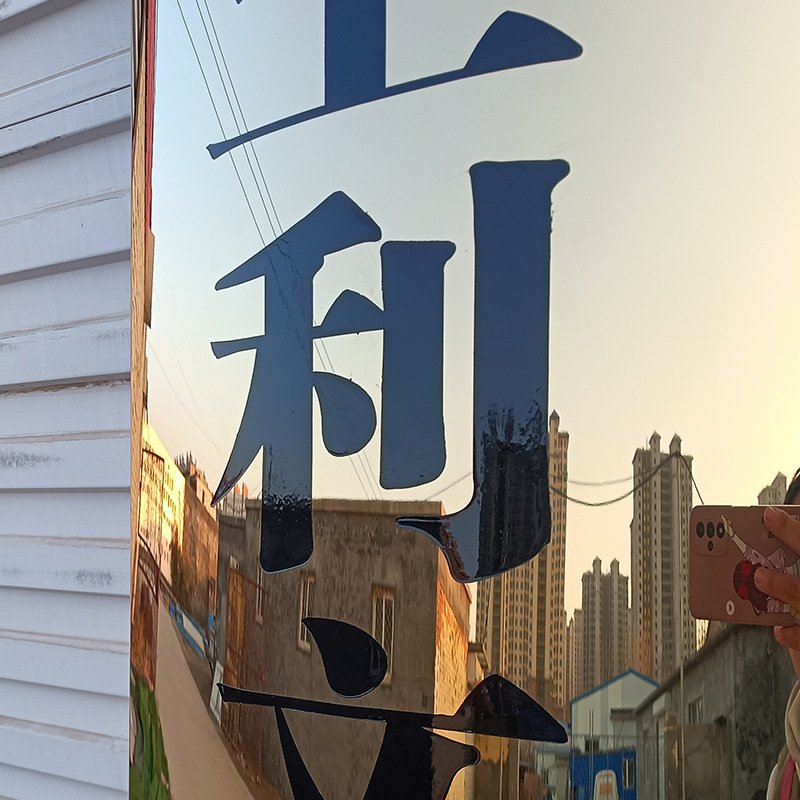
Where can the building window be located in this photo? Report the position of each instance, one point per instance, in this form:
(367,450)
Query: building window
(696,711)
(307,581)
(628,773)
(383,621)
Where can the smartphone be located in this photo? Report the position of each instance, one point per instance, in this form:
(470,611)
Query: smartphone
(726,545)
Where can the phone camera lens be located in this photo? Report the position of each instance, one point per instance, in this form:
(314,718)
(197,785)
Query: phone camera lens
(710,530)
(720,529)
(701,529)
(710,546)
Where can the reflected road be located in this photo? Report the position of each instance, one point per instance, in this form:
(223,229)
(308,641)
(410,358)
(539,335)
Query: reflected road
(199,765)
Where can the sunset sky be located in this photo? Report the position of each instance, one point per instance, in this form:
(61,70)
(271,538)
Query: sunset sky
(675,246)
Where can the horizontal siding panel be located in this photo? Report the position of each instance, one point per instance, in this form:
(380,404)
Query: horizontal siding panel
(68,514)
(69,411)
(104,158)
(82,665)
(87,81)
(96,713)
(64,752)
(73,615)
(66,127)
(23,784)
(75,35)
(65,355)
(12,9)
(65,222)
(76,234)
(57,300)
(84,566)
(70,464)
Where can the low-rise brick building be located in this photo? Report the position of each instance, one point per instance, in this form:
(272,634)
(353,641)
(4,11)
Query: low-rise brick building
(366,571)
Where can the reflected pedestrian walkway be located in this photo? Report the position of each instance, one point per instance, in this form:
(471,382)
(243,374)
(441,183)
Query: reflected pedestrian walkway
(199,763)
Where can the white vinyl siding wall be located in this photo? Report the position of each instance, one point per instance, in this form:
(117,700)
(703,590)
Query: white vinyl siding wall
(65,148)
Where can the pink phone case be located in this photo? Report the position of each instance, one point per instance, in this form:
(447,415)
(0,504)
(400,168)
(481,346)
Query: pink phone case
(726,545)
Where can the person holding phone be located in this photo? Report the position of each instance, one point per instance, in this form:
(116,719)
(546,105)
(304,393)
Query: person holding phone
(784,783)
(744,574)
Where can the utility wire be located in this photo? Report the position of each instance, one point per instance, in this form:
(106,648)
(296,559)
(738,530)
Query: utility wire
(601,483)
(641,483)
(449,486)
(601,503)
(180,399)
(241,113)
(183,374)
(233,113)
(361,458)
(219,121)
(367,471)
(694,483)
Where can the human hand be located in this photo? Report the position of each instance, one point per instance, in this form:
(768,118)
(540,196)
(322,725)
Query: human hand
(785,588)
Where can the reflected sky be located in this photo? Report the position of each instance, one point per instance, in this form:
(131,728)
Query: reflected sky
(674,248)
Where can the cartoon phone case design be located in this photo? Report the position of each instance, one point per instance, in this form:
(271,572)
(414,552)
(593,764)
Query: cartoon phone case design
(726,546)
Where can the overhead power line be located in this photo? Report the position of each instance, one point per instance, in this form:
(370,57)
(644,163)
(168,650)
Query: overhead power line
(219,120)
(244,120)
(601,483)
(637,486)
(691,475)
(180,399)
(600,503)
(247,152)
(372,486)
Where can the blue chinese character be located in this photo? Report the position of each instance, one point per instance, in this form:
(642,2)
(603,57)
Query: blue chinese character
(508,519)
(278,413)
(413,762)
(355,60)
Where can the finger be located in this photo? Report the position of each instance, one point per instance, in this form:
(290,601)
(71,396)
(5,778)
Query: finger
(785,588)
(788,636)
(785,527)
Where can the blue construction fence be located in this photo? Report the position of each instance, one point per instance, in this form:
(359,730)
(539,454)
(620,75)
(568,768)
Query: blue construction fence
(190,629)
(584,769)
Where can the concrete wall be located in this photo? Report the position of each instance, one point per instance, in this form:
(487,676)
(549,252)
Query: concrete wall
(65,398)
(357,547)
(233,543)
(451,657)
(200,553)
(743,679)
(452,647)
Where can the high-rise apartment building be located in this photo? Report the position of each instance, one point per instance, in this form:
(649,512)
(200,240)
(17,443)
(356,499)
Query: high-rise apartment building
(598,632)
(520,614)
(663,632)
(774,494)
(575,672)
